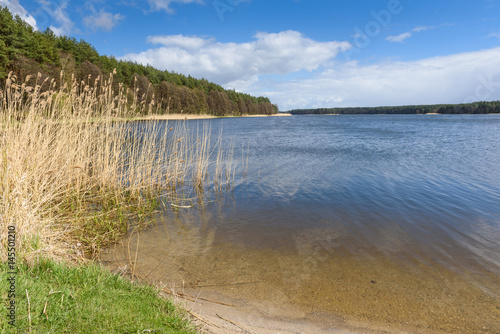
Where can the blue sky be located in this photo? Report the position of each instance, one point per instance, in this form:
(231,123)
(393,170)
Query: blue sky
(301,54)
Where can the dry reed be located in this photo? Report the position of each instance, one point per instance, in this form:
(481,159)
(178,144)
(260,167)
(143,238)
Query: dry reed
(72,179)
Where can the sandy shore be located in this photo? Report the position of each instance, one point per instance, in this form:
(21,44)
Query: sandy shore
(243,316)
(176,117)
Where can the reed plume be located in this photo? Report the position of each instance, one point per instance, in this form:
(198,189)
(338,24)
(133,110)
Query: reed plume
(72,178)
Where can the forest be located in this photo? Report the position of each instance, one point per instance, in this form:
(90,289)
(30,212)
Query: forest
(464,108)
(25,52)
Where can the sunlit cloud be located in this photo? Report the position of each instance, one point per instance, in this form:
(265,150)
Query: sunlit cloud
(269,53)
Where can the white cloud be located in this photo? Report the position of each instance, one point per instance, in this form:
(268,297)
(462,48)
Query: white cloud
(58,13)
(165,4)
(102,20)
(181,41)
(425,28)
(16,9)
(399,38)
(269,53)
(494,34)
(458,78)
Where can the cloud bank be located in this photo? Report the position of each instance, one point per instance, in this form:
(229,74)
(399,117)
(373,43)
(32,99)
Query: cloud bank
(269,53)
(459,78)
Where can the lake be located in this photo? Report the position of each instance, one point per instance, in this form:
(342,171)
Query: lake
(393,219)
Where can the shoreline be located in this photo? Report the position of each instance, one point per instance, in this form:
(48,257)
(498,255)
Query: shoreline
(216,312)
(180,117)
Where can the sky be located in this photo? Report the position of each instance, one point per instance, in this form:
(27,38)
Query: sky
(300,54)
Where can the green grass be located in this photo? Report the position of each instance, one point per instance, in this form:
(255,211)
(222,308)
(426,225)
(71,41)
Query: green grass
(85,299)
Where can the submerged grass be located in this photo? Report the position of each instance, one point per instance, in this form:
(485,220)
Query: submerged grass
(59,298)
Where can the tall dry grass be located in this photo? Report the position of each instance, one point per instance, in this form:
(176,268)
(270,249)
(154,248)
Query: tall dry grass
(73,180)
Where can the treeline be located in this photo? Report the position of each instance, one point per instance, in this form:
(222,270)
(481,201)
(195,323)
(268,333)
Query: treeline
(25,51)
(465,108)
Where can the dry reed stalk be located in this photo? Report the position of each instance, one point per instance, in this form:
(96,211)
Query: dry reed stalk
(29,310)
(197,316)
(193,298)
(246,330)
(222,284)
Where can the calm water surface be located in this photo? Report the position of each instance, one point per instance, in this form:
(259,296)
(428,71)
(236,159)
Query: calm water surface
(313,194)
(403,185)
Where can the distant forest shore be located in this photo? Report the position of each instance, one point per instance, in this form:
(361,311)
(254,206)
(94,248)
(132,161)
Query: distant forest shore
(35,57)
(177,117)
(464,108)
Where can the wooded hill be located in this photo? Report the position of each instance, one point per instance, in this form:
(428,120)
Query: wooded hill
(25,51)
(465,108)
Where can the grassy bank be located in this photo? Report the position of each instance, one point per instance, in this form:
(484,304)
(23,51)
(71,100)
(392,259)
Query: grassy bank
(58,298)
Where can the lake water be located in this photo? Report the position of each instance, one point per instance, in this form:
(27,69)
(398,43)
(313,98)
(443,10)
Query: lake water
(389,218)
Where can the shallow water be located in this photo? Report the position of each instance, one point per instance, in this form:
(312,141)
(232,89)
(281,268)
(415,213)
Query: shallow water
(380,217)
